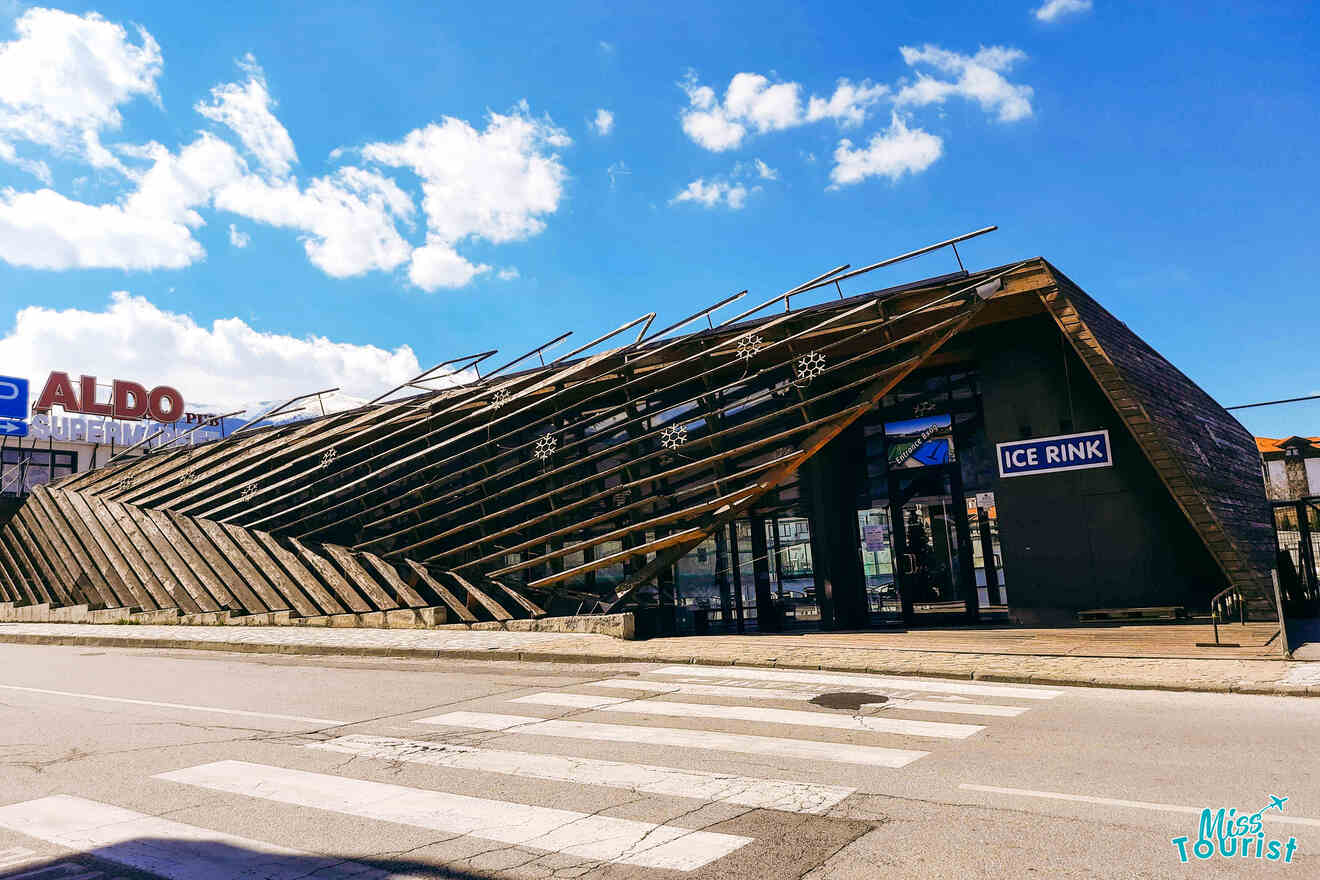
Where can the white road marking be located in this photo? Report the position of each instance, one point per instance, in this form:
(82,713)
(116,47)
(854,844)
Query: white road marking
(817,689)
(16,855)
(543,828)
(573,701)
(1115,802)
(850,679)
(805,696)
(757,714)
(771,794)
(319,722)
(164,847)
(809,750)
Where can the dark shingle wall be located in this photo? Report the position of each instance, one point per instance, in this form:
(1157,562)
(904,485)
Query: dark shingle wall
(1204,448)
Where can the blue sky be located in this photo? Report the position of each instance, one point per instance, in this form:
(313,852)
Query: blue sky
(442,184)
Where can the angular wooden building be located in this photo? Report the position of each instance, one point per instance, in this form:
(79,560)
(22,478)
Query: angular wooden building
(986,445)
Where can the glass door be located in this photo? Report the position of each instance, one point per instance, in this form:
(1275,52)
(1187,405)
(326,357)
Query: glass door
(877,549)
(931,545)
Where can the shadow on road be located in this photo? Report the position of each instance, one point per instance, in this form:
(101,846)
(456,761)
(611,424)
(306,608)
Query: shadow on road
(149,858)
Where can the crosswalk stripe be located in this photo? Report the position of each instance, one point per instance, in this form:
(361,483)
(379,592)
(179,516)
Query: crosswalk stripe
(851,679)
(585,835)
(758,714)
(846,753)
(161,846)
(771,794)
(755,693)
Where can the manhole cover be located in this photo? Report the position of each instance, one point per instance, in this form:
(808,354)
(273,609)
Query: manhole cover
(851,700)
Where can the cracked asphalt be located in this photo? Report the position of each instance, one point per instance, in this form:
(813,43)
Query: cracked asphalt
(1165,750)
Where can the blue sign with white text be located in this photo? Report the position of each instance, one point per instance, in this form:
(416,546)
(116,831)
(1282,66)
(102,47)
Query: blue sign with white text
(13,398)
(1046,455)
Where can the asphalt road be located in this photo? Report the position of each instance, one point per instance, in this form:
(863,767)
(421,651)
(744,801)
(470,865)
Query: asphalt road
(131,763)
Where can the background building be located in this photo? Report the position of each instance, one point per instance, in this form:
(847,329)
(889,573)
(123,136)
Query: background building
(1292,479)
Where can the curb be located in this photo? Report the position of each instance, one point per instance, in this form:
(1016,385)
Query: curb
(1219,687)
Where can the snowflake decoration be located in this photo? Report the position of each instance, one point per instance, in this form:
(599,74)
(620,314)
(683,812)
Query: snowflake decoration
(810,365)
(327,457)
(673,437)
(500,398)
(545,447)
(749,346)
(925,408)
(248,491)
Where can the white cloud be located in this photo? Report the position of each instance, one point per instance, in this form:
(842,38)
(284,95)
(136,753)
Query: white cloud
(436,264)
(149,229)
(227,365)
(979,78)
(246,109)
(64,77)
(509,273)
(62,82)
(891,153)
(848,104)
(603,123)
(713,194)
(35,167)
(348,218)
(616,170)
(1052,10)
(752,103)
(727,190)
(495,184)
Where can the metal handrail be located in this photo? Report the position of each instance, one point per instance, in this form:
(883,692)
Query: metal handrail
(1214,608)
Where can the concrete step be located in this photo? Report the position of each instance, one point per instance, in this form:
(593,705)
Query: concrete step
(155,618)
(111,615)
(267,618)
(69,614)
(205,618)
(399,618)
(39,613)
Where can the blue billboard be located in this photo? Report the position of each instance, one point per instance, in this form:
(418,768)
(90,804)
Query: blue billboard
(920,442)
(13,406)
(1046,455)
(13,398)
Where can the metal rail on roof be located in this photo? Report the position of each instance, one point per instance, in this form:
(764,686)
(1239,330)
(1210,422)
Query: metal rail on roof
(951,242)
(145,440)
(704,313)
(426,374)
(280,409)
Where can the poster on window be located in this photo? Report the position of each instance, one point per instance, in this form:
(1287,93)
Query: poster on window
(921,442)
(875,538)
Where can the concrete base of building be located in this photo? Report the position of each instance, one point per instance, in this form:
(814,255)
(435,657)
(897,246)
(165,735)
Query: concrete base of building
(619,626)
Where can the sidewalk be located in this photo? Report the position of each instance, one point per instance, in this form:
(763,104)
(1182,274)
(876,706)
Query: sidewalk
(835,652)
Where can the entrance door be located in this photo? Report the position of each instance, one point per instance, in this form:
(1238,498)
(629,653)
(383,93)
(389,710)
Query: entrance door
(932,545)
